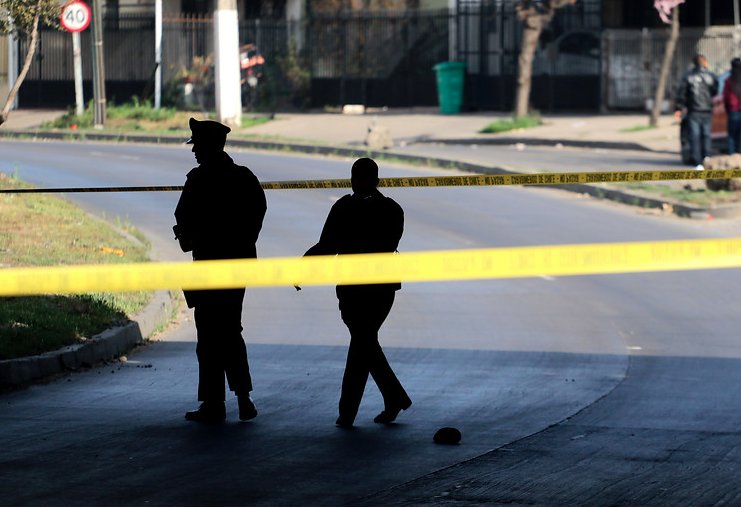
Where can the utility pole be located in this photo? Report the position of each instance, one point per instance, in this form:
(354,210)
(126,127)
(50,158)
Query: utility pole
(158,53)
(226,45)
(99,101)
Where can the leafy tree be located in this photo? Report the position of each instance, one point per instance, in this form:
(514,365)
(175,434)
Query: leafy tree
(22,18)
(535,15)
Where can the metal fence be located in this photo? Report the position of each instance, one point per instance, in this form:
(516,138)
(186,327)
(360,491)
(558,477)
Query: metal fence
(380,59)
(383,59)
(488,38)
(632,60)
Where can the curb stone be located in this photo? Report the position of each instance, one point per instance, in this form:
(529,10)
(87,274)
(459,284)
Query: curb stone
(107,345)
(538,141)
(624,197)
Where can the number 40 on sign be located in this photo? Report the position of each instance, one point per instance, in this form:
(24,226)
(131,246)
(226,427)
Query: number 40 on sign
(75,16)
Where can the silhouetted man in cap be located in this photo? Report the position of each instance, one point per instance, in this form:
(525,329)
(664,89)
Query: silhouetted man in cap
(219,216)
(365,222)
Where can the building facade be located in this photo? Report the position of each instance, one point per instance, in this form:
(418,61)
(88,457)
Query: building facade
(597,54)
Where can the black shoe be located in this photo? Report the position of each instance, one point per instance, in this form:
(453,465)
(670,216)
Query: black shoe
(344,422)
(389,414)
(208,412)
(247,408)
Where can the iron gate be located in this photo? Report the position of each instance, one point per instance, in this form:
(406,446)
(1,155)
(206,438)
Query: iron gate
(567,64)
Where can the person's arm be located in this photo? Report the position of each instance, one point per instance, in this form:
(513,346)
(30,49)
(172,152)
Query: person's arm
(727,91)
(258,208)
(714,87)
(329,239)
(184,217)
(681,98)
(397,228)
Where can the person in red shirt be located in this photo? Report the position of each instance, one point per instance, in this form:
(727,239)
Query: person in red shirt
(732,102)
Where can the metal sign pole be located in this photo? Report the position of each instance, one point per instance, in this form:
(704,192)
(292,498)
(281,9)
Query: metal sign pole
(99,99)
(158,53)
(77,58)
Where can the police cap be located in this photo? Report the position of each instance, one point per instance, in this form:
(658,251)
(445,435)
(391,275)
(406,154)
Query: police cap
(207,131)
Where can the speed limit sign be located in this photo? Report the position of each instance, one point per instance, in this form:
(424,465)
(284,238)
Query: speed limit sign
(75,16)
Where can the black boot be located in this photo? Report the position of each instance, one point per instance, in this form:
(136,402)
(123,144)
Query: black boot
(390,413)
(208,412)
(247,408)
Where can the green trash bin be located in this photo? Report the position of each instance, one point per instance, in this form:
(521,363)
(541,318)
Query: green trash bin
(450,76)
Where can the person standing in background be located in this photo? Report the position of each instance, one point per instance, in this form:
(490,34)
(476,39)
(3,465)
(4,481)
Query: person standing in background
(695,98)
(732,103)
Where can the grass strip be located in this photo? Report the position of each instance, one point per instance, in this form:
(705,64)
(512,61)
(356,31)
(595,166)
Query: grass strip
(141,117)
(44,230)
(522,122)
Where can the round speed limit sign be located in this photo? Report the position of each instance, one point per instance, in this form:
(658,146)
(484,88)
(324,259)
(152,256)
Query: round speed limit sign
(75,16)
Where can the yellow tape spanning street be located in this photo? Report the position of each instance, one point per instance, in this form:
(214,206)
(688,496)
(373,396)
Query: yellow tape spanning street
(589,259)
(473,180)
(477,180)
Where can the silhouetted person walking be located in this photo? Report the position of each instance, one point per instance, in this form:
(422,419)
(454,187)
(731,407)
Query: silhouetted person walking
(365,222)
(219,216)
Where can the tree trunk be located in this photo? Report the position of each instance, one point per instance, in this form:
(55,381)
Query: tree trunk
(531,29)
(666,64)
(26,66)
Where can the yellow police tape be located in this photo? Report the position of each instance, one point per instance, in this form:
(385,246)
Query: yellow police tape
(568,178)
(561,260)
(474,180)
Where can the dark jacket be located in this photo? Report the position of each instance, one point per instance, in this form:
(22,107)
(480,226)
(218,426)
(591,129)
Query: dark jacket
(355,225)
(221,210)
(696,90)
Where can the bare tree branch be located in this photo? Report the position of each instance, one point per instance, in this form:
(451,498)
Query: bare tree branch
(666,64)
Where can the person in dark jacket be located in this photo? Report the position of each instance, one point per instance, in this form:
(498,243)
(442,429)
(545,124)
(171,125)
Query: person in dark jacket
(365,222)
(695,97)
(219,216)
(732,103)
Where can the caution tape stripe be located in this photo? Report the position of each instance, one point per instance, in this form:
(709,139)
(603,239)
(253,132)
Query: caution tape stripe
(567,178)
(562,260)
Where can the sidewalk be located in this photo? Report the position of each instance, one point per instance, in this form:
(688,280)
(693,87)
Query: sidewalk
(407,126)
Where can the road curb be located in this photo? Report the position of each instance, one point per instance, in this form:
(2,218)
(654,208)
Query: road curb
(599,192)
(107,345)
(538,141)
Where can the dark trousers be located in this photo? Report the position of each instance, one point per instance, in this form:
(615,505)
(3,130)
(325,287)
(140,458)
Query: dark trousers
(364,312)
(220,349)
(734,132)
(700,141)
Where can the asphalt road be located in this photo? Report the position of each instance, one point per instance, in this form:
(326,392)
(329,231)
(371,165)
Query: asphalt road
(600,390)
(529,158)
